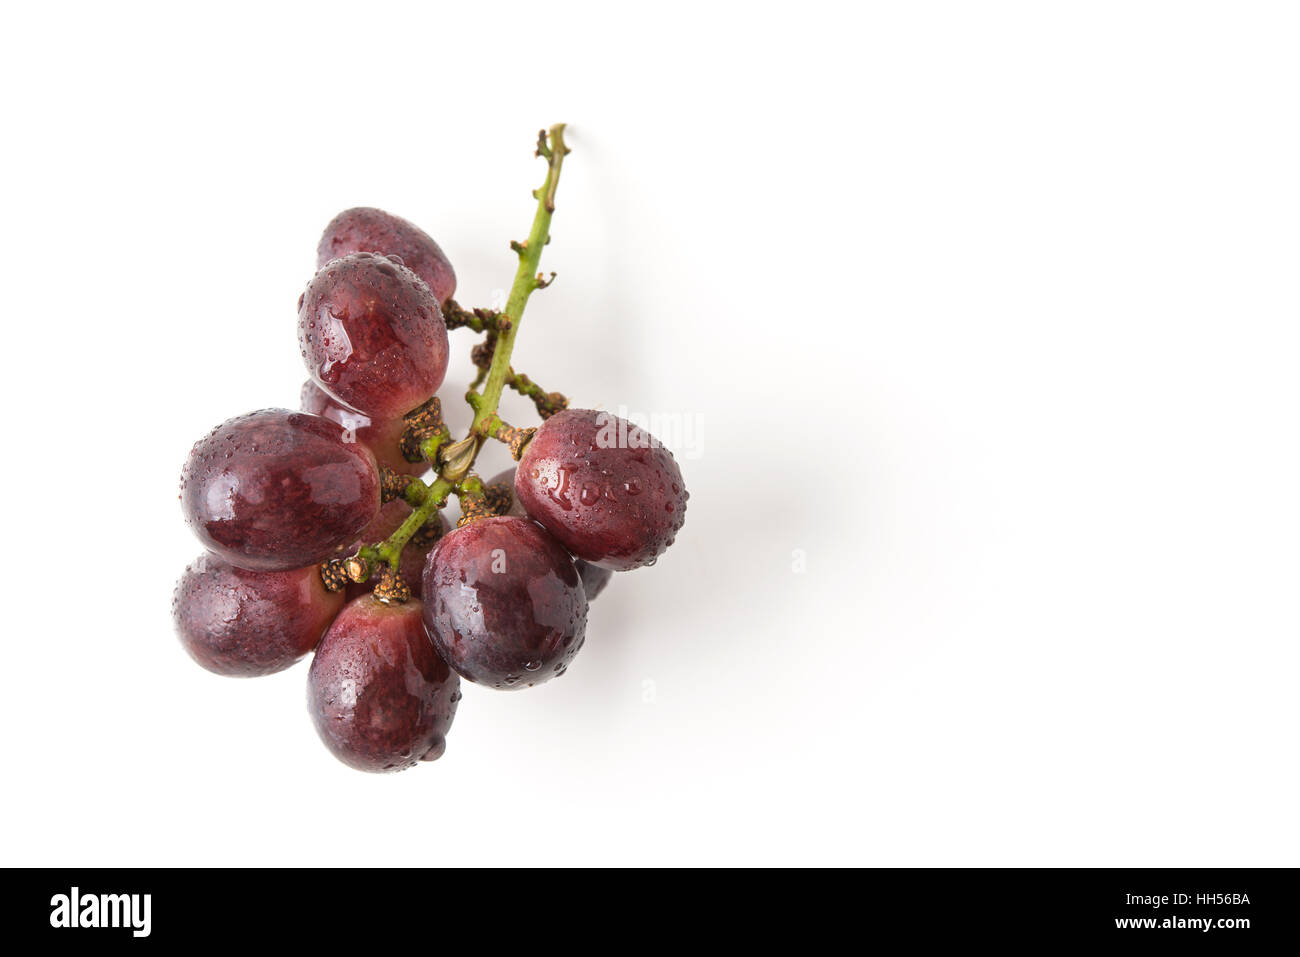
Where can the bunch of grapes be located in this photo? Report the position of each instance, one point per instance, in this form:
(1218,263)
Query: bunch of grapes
(323,527)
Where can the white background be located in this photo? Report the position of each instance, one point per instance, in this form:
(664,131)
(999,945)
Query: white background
(987,311)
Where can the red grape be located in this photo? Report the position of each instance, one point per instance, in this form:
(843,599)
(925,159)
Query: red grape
(594,578)
(364,229)
(372,335)
(380,696)
(380,436)
(276,490)
(606,489)
(503,603)
(243,623)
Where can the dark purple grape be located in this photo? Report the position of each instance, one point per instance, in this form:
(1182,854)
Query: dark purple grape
(244,623)
(594,578)
(380,436)
(372,335)
(503,603)
(411,564)
(606,489)
(364,229)
(380,696)
(277,490)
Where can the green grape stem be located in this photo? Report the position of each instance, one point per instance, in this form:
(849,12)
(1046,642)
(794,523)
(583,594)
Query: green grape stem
(527,278)
(454,475)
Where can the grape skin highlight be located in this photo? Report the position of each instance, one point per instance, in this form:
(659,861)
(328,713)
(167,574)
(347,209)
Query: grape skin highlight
(276,490)
(503,603)
(243,623)
(372,335)
(594,578)
(365,229)
(378,693)
(380,436)
(606,489)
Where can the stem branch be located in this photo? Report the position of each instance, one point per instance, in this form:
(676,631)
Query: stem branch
(526,279)
(456,458)
(435,497)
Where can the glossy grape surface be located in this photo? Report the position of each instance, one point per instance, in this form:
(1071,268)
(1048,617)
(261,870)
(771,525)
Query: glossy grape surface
(372,335)
(594,578)
(603,487)
(380,436)
(243,623)
(504,603)
(378,693)
(278,490)
(364,229)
